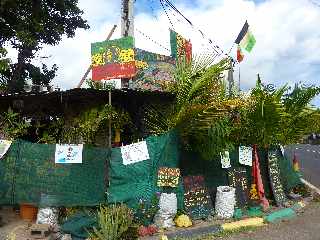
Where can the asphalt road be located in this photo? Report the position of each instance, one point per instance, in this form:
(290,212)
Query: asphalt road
(304,227)
(309,161)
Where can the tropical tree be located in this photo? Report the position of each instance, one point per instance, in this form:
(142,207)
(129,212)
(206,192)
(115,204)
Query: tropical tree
(276,116)
(26,25)
(201,113)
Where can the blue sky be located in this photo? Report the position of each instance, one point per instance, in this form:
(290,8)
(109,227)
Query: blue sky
(287,33)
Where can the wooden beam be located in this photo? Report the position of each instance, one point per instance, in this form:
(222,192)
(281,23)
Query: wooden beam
(89,68)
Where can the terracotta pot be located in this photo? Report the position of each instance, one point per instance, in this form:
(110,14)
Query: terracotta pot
(28,212)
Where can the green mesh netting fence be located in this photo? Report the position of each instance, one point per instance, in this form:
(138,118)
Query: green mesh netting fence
(130,183)
(28,174)
(216,176)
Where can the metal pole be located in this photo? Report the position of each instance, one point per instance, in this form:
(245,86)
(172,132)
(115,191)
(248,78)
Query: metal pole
(89,68)
(239,78)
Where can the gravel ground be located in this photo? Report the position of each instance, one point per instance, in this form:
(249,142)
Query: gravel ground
(305,227)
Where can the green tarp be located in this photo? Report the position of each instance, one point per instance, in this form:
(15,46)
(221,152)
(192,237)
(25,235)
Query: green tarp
(28,174)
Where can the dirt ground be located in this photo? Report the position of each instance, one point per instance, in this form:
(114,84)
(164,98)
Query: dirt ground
(305,227)
(12,223)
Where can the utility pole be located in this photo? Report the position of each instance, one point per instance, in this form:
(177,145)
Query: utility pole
(127,18)
(127,28)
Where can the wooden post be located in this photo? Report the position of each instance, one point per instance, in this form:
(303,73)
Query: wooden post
(127,28)
(89,68)
(110,121)
(127,18)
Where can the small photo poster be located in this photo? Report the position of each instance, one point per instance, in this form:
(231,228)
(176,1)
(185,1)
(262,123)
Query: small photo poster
(68,153)
(4,147)
(134,153)
(225,159)
(245,155)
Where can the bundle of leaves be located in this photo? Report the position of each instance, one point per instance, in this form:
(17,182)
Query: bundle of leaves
(202,112)
(210,122)
(13,125)
(85,127)
(113,223)
(146,210)
(276,116)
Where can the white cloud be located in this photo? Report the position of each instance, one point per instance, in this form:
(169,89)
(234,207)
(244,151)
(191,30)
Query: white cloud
(287,49)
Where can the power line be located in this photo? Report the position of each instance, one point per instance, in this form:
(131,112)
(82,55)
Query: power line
(164,9)
(154,41)
(211,42)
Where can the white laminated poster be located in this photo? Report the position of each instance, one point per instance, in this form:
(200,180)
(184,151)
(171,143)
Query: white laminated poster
(225,159)
(134,153)
(245,155)
(4,147)
(68,153)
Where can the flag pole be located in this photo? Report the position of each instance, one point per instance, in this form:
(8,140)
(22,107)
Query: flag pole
(231,48)
(239,76)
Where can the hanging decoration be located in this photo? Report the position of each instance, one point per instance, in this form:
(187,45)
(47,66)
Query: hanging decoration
(274,174)
(245,155)
(113,59)
(180,47)
(225,159)
(68,153)
(296,167)
(134,153)
(257,189)
(4,147)
(168,177)
(238,180)
(197,203)
(245,40)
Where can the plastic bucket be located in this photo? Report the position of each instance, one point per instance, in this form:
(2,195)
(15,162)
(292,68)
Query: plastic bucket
(28,212)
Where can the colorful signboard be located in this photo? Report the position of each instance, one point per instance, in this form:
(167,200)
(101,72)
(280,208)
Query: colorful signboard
(154,71)
(168,177)
(113,59)
(275,180)
(238,180)
(197,203)
(180,47)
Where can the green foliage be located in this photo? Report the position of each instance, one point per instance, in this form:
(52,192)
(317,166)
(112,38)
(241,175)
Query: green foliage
(99,85)
(27,25)
(12,125)
(84,128)
(113,221)
(201,113)
(146,211)
(277,117)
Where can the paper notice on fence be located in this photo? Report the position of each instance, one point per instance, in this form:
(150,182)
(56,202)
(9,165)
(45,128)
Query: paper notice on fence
(4,147)
(67,153)
(134,153)
(245,155)
(225,159)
